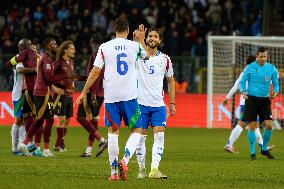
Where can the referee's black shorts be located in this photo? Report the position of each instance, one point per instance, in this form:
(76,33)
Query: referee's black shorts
(94,107)
(257,106)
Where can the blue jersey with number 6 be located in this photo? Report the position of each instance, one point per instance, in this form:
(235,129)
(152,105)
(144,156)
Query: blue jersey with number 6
(120,57)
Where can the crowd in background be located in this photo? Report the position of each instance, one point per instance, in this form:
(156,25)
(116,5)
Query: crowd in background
(184,24)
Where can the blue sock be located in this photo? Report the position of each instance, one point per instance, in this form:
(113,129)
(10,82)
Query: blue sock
(266,137)
(252,141)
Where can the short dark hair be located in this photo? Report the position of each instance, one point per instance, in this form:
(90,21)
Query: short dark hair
(121,24)
(47,41)
(154,29)
(261,50)
(97,38)
(250,59)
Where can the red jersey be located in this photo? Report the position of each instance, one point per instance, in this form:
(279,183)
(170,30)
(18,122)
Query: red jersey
(97,87)
(29,59)
(45,77)
(61,67)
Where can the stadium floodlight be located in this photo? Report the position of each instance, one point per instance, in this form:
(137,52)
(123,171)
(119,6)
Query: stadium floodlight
(226,60)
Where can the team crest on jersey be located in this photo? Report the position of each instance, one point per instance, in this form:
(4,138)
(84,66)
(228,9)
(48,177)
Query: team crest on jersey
(48,66)
(160,64)
(267,78)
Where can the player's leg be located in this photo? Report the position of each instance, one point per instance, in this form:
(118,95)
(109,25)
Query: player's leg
(15,131)
(59,111)
(95,110)
(235,133)
(266,115)
(81,118)
(158,121)
(68,112)
(112,121)
(132,118)
(27,114)
(250,115)
(47,110)
(141,148)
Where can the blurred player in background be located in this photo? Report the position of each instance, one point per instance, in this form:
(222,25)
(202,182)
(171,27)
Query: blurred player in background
(258,76)
(28,57)
(63,104)
(238,129)
(18,130)
(89,110)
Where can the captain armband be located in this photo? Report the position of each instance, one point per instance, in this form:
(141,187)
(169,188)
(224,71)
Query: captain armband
(13,61)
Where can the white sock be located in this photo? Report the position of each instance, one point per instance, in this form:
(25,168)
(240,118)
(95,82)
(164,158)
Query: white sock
(131,146)
(235,134)
(113,151)
(15,136)
(89,150)
(22,133)
(141,152)
(258,136)
(157,149)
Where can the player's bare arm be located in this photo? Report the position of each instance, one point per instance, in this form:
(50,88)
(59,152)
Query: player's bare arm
(25,70)
(171,83)
(94,74)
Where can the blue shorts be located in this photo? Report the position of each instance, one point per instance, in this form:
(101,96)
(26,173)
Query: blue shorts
(153,116)
(242,110)
(128,110)
(18,107)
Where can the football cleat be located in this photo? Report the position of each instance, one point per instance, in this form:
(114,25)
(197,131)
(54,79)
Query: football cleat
(32,147)
(122,170)
(230,149)
(113,177)
(267,154)
(252,157)
(86,155)
(156,174)
(59,149)
(142,174)
(17,153)
(47,153)
(24,149)
(102,147)
(36,153)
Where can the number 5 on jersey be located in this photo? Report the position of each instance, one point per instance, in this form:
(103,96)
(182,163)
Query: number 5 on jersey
(122,66)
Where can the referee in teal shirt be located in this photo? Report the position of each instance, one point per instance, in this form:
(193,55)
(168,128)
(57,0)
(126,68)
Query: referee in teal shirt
(255,88)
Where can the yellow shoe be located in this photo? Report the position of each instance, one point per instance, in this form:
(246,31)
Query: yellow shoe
(156,174)
(142,174)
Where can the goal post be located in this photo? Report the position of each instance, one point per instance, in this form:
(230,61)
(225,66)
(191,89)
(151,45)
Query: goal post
(226,60)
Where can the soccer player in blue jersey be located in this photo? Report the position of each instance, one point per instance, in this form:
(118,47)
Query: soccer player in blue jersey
(259,76)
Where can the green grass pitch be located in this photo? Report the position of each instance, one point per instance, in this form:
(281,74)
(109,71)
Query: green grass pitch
(193,158)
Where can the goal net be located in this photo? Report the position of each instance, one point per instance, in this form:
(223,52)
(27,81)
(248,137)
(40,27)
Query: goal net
(226,60)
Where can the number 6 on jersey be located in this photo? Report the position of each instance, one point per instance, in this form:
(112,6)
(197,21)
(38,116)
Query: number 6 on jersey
(122,66)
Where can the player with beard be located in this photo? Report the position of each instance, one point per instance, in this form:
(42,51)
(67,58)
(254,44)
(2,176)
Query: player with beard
(150,98)
(63,104)
(88,111)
